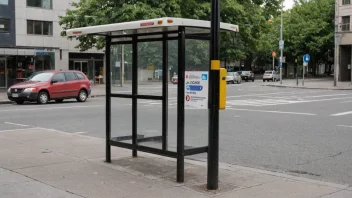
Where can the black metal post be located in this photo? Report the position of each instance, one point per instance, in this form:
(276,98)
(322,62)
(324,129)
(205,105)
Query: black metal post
(134,92)
(165,93)
(213,151)
(108,97)
(181,105)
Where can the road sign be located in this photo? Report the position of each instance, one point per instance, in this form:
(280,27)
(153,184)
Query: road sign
(273,54)
(280,64)
(306,58)
(196,89)
(305,64)
(281,44)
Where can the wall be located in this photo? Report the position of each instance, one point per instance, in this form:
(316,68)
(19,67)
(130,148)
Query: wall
(143,75)
(8,12)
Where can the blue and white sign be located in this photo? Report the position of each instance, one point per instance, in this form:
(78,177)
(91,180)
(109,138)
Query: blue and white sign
(170,68)
(306,58)
(280,63)
(196,89)
(281,44)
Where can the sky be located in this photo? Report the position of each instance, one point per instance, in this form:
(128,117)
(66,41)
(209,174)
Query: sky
(288,4)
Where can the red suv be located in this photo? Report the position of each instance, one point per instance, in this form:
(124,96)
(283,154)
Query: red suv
(51,85)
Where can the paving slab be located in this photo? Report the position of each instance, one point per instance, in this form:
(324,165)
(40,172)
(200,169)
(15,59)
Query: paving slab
(93,180)
(339,194)
(282,188)
(8,177)
(48,163)
(33,189)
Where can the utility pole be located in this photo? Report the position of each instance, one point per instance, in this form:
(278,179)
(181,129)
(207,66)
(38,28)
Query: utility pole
(281,40)
(336,59)
(214,83)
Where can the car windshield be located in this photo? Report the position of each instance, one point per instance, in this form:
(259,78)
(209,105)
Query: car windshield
(40,77)
(268,72)
(231,74)
(245,72)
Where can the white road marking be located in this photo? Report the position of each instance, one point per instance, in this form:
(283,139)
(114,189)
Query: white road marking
(80,132)
(345,126)
(275,93)
(346,101)
(49,108)
(280,112)
(342,113)
(3,131)
(11,123)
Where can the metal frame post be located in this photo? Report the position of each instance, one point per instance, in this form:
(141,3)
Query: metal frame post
(214,75)
(181,105)
(134,92)
(165,93)
(108,97)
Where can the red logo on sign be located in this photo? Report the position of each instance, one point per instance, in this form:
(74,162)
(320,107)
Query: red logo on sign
(188,98)
(186,76)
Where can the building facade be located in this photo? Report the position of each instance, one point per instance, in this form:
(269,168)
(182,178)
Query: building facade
(30,41)
(344,38)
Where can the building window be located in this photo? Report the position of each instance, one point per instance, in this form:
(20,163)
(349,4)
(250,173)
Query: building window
(40,27)
(346,2)
(4,25)
(47,4)
(345,24)
(4,2)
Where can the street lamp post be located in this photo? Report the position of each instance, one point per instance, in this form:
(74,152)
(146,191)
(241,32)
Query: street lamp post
(281,45)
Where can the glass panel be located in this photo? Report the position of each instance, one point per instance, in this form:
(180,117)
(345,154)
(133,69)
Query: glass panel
(4,2)
(121,118)
(2,72)
(150,68)
(34,3)
(38,27)
(121,65)
(4,25)
(77,66)
(150,121)
(47,28)
(47,4)
(196,127)
(30,28)
(85,68)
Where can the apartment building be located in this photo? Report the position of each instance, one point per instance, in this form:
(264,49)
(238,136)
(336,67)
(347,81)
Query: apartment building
(344,15)
(30,41)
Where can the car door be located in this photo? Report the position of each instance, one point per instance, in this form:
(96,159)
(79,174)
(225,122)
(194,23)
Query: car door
(58,87)
(73,84)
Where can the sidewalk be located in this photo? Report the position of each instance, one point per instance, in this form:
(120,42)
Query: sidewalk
(311,83)
(37,162)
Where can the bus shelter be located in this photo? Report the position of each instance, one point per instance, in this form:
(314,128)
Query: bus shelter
(134,33)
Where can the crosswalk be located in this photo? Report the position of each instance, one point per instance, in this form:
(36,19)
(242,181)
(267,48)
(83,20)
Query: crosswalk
(262,102)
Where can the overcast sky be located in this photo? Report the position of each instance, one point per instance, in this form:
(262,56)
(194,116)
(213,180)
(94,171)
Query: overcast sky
(288,4)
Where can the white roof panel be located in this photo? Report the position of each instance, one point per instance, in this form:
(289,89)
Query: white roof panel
(146,26)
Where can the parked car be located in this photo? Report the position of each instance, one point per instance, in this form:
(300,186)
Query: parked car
(247,75)
(175,79)
(271,75)
(233,77)
(44,86)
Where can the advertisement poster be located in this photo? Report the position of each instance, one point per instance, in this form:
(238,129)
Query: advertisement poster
(196,89)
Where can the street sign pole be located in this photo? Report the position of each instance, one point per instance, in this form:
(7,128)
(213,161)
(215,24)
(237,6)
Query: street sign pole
(281,48)
(273,64)
(214,82)
(304,68)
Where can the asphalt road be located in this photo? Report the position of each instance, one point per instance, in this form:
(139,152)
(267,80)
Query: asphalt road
(304,132)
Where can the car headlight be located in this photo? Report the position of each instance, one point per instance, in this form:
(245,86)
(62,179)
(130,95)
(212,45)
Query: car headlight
(9,90)
(30,90)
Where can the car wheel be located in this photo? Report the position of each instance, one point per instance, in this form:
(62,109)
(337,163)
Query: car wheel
(82,96)
(233,82)
(59,100)
(19,102)
(43,98)
(253,80)
(263,80)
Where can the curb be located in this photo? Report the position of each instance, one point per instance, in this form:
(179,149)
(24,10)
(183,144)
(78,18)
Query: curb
(307,87)
(97,96)
(5,102)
